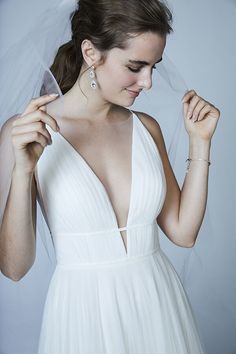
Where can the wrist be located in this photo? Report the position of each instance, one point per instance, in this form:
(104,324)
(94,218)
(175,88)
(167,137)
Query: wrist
(199,140)
(199,148)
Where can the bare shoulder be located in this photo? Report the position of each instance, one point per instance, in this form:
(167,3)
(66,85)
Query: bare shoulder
(152,125)
(148,120)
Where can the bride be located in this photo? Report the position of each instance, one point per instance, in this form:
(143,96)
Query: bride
(115,162)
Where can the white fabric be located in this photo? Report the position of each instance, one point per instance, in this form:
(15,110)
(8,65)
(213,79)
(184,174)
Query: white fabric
(24,78)
(23,70)
(103,298)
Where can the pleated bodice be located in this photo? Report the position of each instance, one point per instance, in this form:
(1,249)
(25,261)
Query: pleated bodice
(79,212)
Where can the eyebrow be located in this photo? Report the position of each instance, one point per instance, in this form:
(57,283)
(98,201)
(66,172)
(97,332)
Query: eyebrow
(141,62)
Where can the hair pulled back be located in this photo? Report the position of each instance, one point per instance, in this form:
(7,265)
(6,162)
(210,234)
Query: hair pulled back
(108,24)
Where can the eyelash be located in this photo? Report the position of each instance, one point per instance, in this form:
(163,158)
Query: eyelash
(137,70)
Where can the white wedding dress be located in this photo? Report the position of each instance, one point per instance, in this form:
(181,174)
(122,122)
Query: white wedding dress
(106,297)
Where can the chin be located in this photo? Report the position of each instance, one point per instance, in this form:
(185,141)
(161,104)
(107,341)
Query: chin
(129,105)
(121,103)
(125,104)
(129,101)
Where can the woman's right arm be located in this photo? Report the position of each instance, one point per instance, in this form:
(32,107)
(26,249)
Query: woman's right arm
(18,229)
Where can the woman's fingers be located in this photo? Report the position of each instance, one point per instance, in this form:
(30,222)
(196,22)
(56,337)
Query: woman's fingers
(188,95)
(36,116)
(204,111)
(186,101)
(192,105)
(35,103)
(43,108)
(33,127)
(195,106)
(24,139)
(200,105)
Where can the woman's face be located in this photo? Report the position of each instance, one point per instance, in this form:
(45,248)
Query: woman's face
(126,72)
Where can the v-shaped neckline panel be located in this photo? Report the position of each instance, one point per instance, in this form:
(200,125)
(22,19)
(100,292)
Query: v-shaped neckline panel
(97,179)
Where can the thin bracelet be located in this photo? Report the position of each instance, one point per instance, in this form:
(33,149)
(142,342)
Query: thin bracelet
(190,160)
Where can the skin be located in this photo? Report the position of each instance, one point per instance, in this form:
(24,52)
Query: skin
(113,84)
(184,208)
(29,137)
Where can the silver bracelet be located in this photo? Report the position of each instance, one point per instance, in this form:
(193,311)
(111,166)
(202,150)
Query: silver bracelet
(190,160)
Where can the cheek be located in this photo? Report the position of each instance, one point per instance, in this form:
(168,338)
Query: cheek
(127,80)
(119,79)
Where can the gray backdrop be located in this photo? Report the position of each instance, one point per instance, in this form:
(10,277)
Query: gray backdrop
(203,47)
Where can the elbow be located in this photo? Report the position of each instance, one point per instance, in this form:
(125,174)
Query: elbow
(15,270)
(12,276)
(184,242)
(189,245)
(15,275)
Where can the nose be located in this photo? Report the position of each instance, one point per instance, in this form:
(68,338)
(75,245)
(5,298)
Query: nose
(145,80)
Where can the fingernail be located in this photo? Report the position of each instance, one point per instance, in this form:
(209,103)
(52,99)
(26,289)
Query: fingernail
(53,94)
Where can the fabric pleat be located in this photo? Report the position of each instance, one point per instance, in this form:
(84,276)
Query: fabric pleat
(104,298)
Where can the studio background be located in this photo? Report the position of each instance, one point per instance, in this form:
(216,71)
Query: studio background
(203,49)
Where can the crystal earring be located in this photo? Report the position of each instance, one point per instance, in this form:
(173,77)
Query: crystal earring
(93,82)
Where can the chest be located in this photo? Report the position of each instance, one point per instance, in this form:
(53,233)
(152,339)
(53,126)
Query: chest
(107,151)
(76,197)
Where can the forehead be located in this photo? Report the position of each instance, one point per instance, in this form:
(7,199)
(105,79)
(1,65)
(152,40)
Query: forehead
(147,46)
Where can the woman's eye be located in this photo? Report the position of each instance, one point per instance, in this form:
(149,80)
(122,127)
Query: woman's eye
(137,70)
(134,70)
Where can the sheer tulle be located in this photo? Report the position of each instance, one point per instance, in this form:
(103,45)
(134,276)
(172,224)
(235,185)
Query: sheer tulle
(23,79)
(30,73)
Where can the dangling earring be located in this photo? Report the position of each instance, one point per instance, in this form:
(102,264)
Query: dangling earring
(93,82)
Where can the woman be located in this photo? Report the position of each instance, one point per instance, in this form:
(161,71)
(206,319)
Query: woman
(104,185)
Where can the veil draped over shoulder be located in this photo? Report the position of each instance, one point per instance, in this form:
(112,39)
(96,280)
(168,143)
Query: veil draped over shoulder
(25,68)
(29,76)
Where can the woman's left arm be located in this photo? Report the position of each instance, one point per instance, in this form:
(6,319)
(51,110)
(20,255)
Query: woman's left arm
(183,210)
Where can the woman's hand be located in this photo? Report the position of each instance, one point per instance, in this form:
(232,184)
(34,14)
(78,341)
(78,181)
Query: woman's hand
(201,117)
(29,134)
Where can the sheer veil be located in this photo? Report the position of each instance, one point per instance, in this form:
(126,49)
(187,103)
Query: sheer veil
(24,77)
(30,76)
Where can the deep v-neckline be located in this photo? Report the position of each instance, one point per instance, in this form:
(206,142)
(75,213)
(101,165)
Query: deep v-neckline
(99,182)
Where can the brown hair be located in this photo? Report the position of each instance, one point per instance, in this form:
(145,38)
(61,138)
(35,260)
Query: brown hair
(108,24)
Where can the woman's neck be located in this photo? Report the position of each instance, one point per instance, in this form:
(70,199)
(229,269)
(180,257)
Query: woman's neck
(82,101)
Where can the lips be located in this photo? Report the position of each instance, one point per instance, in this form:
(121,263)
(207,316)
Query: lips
(133,93)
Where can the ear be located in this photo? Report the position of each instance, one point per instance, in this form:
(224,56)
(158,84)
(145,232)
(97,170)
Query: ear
(90,53)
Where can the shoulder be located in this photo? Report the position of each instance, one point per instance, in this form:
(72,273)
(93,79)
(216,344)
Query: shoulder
(153,127)
(148,120)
